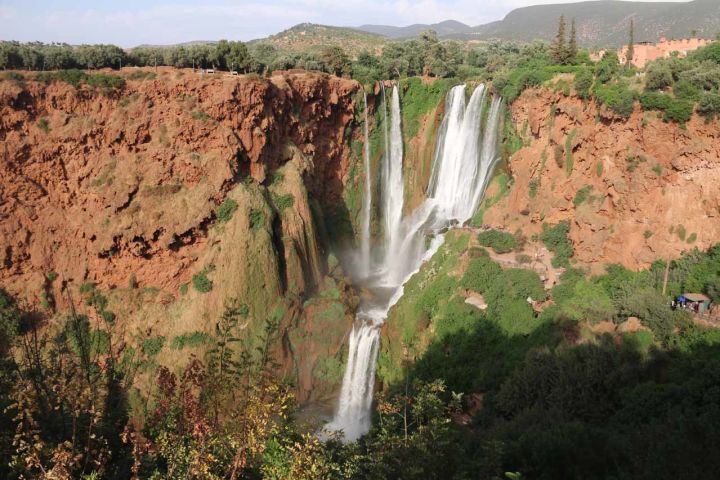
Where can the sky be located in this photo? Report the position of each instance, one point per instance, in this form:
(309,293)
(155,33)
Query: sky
(129,23)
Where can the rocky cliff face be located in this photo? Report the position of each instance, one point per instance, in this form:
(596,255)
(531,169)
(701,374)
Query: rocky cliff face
(176,181)
(634,190)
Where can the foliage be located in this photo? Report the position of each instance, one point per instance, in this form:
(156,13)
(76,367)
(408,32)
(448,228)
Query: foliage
(152,346)
(500,242)
(583,83)
(257,219)
(618,97)
(190,340)
(419,99)
(283,202)
(226,210)
(200,280)
(556,240)
(582,195)
(709,104)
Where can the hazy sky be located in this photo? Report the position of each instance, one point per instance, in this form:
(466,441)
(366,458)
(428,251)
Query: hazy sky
(132,22)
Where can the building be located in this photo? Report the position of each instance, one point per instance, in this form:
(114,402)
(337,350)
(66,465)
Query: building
(645,52)
(696,302)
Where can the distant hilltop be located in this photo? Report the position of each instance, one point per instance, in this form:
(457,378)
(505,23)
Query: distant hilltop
(602,23)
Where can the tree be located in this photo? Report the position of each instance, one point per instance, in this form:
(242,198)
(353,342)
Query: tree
(631,45)
(336,61)
(572,46)
(559,50)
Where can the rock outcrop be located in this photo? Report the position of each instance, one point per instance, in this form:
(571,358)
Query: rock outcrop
(176,195)
(634,190)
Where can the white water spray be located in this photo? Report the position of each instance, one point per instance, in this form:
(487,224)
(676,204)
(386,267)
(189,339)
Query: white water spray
(367,201)
(461,169)
(393,188)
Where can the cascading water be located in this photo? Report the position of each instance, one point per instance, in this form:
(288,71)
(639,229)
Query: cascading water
(461,169)
(367,201)
(393,189)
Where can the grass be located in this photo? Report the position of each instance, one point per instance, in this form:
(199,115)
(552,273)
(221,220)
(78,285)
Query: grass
(681,233)
(569,152)
(418,99)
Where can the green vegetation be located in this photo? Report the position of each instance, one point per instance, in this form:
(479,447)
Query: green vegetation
(201,282)
(200,116)
(283,202)
(500,242)
(152,346)
(43,125)
(556,240)
(569,151)
(257,219)
(226,210)
(190,340)
(618,97)
(582,195)
(419,99)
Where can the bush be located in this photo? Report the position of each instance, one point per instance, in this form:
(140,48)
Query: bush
(618,97)
(190,340)
(43,125)
(282,202)
(480,274)
(257,218)
(556,240)
(584,83)
(201,282)
(676,110)
(152,346)
(658,76)
(500,242)
(582,195)
(709,104)
(590,302)
(684,89)
(226,209)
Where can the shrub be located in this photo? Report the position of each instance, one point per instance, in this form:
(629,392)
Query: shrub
(282,202)
(152,346)
(692,238)
(500,242)
(582,195)
(584,83)
(201,282)
(190,340)
(710,53)
(569,151)
(679,111)
(556,240)
(43,125)
(618,97)
(658,76)
(226,209)
(201,116)
(533,187)
(680,230)
(480,274)
(257,218)
(684,89)
(590,302)
(709,104)
(607,68)
(183,289)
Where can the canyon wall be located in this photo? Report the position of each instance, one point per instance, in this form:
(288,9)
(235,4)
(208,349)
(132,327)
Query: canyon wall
(634,190)
(178,194)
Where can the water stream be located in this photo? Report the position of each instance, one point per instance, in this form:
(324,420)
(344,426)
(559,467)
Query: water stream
(464,158)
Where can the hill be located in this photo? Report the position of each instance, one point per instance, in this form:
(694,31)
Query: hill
(605,22)
(443,29)
(308,37)
(599,23)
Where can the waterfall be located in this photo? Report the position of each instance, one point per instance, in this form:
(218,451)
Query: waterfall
(393,189)
(367,201)
(465,156)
